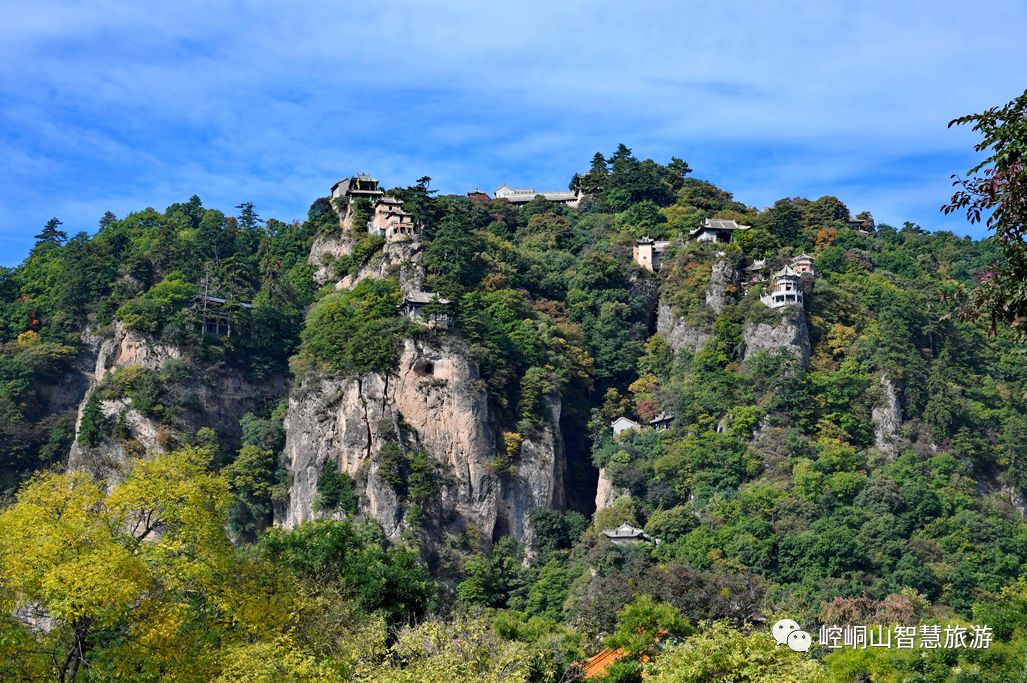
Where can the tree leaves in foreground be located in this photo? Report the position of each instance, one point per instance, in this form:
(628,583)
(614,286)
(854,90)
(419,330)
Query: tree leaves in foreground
(136,583)
(996,191)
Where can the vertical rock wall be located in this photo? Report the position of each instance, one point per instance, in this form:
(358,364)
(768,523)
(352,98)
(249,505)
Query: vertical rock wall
(887,417)
(435,402)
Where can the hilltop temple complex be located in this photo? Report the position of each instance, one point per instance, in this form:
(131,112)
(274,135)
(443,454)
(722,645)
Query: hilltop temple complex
(360,186)
(523,196)
(388,219)
(391,221)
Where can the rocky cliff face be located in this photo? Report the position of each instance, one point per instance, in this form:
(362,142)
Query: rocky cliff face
(401,259)
(725,281)
(325,251)
(435,402)
(788,332)
(220,398)
(721,290)
(678,332)
(1018,500)
(105,353)
(606,492)
(887,417)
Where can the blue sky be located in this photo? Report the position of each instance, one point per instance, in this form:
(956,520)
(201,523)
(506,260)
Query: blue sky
(123,105)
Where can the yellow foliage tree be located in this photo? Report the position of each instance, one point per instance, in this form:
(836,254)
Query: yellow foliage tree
(139,582)
(721,653)
(447,652)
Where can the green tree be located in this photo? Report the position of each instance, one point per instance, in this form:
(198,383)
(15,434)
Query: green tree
(137,581)
(248,216)
(644,623)
(355,331)
(465,649)
(492,577)
(622,510)
(91,430)
(720,653)
(783,221)
(453,258)
(251,477)
(594,181)
(556,529)
(827,209)
(995,190)
(548,592)
(51,234)
(335,490)
(353,560)
(107,219)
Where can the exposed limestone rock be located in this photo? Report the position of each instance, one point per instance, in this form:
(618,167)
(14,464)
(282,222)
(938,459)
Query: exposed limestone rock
(771,444)
(887,417)
(678,332)
(1018,499)
(725,280)
(789,332)
(404,259)
(222,396)
(105,353)
(125,347)
(325,251)
(435,402)
(606,492)
(538,480)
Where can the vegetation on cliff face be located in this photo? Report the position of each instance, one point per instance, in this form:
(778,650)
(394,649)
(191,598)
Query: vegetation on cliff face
(768,492)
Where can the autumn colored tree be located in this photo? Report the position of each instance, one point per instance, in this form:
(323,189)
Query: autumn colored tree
(138,582)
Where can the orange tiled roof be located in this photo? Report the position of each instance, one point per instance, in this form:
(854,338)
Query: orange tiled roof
(597,664)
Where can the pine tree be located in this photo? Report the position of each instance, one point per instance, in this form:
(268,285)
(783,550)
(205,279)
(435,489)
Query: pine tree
(594,182)
(248,217)
(52,234)
(91,431)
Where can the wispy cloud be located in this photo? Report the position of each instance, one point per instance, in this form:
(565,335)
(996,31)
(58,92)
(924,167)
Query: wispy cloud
(116,105)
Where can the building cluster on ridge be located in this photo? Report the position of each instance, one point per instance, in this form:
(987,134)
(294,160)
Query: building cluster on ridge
(389,221)
(647,251)
(784,284)
(523,196)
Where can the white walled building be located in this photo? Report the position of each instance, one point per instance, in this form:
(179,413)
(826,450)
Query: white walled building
(647,252)
(623,424)
(525,195)
(784,289)
(716,230)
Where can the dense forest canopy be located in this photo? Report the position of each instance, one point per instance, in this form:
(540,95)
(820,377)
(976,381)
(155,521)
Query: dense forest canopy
(772,493)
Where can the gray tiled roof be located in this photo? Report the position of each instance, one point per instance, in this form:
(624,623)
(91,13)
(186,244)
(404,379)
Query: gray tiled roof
(420,297)
(625,530)
(720,224)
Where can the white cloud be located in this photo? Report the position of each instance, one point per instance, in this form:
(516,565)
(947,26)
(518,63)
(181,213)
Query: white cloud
(116,102)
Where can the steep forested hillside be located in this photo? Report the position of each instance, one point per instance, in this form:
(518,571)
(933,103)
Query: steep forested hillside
(858,455)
